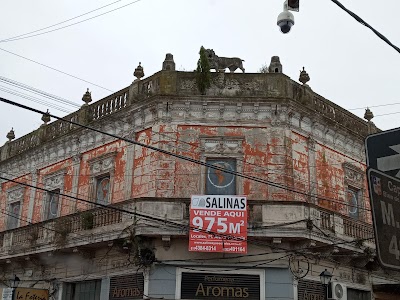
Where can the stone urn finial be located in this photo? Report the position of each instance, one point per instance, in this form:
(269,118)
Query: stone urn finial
(304,77)
(138,72)
(11,135)
(87,97)
(46,118)
(368,115)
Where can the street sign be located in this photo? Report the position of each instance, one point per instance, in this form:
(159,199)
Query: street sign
(218,223)
(384,193)
(383,151)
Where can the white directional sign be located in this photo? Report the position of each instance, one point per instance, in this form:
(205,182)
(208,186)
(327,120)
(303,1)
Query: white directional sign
(383,151)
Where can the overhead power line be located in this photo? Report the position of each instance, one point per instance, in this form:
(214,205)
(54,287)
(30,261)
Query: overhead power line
(372,106)
(38,92)
(57,70)
(142,215)
(44,28)
(186,158)
(78,237)
(168,222)
(367,25)
(33,99)
(66,26)
(387,114)
(259,168)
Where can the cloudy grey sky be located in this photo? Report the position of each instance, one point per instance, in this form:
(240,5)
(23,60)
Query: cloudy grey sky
(348,64)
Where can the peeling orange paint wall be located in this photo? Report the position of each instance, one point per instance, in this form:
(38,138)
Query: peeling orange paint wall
(157,174)
(85,189)
(274,154)
(300,166)
(142,175)
(68,205)
(5,207)
(331,183)
(40,196)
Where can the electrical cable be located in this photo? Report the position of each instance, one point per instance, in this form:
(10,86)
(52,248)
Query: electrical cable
(387,114)
(227,270)
(351,160)
(10,214)
(39,92)
(199,162)
(196,174)
(373,106)
(78,237)
(64,205)
(218,258)
(69,25)
(57,70)
(118,137)
(33,99)
(59,23)
(164,221)
(343,193)
(366,24)
(75,105)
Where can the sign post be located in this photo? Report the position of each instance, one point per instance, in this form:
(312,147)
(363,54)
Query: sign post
(218,224)
(385,204)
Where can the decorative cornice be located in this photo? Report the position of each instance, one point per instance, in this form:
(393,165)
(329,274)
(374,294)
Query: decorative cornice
(241,111)
(55,180)
(15,193)
(102,164)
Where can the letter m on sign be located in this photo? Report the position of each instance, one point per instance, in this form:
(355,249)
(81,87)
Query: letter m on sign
(387,214)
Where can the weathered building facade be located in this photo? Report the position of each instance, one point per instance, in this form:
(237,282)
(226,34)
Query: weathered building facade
(309,210)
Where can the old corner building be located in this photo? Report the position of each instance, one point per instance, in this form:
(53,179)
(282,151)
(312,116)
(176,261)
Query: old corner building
(297,157)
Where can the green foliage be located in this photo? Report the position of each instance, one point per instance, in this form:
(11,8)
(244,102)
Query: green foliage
(62,228)
(263,69)
(87,220)
(203,76)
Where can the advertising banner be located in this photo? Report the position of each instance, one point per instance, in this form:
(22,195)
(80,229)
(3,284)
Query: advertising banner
(218,223)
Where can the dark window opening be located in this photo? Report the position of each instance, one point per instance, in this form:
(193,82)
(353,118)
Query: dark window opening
(85,290)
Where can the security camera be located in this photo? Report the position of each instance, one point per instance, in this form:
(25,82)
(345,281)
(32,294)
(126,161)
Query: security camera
(285,21)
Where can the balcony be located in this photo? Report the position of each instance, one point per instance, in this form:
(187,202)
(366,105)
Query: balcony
(102,225)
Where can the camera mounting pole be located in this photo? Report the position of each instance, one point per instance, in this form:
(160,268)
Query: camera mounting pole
(292,5)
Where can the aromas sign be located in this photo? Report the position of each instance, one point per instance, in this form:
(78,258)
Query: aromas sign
(126,287)
(220,286)
(310,290)
(218,224)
